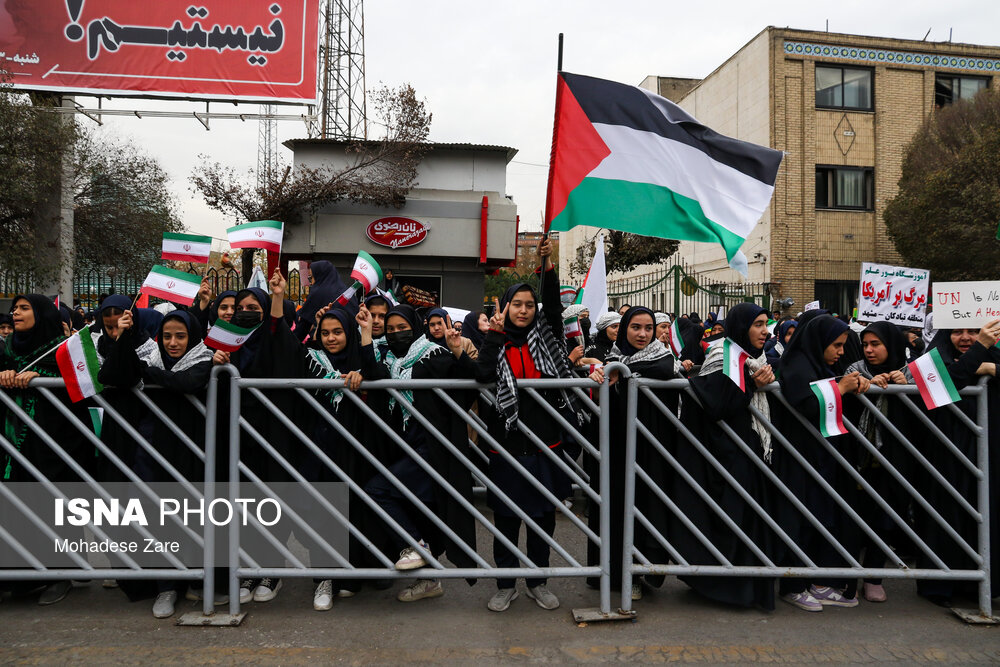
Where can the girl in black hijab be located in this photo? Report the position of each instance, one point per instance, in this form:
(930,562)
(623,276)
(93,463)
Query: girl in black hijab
(411,355)
(775,347)
(472,327)
(525,342)
(721,399)
(638,348)
(812,354)
(884,364)
(325,285)
(969,354)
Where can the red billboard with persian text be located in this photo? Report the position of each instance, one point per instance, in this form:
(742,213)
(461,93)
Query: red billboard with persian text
(251,50)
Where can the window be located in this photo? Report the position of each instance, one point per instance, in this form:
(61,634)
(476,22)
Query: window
(851,188)
(844,87)
(948,89)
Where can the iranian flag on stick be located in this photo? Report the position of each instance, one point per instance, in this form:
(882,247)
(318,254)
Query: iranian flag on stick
(831,409)
(348,294)
(227,337)
(626,159)
(78,365)
(367,275)
(172,285)
(933,380)
(571,327)
(733,359)
(676,342)
(265,234)
(187,247)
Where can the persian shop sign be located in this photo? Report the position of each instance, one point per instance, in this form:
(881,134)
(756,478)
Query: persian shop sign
(397,232)
(206,49)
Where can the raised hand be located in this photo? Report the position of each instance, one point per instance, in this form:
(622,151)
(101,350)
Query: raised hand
(205,294)
(125,322)
(990,334)
(364,320)
(277,283)
(323,311)
(499,318)
(452,337)
(220,358)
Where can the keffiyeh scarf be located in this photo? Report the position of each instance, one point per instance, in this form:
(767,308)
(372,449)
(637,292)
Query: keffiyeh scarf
(713,364)
(401,368)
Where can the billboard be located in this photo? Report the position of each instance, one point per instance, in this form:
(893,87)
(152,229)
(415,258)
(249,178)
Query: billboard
(250,50)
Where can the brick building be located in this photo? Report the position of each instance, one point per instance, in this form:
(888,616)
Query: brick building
(843,108)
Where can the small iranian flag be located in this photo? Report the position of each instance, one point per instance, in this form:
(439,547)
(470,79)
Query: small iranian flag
(78,365)
(187,247)
(265,234)
(733,358)
(571,327)
(367,275)
(933,380)
(831,409)
(227,337)
(676,342)
(172,285)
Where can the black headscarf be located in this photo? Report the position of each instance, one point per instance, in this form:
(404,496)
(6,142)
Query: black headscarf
(783,329)
(895,344)
(119,301)
(194,335)
(942,342)
(809,315)
(409,314)
(6,318)
(803,362)
(738,321)
(627,349)
(48,329)
(327,286)
(250,347)
(515,334)
(348,359)
(66,315)
(443,314)
(148,321)
(77,319)
(288,312)
(470,329)
(213,310)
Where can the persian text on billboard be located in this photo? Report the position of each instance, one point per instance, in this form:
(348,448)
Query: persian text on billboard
(207,49)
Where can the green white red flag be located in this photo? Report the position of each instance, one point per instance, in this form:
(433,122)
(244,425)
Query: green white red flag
(226,336)
(733,360)
(187,247)
(933,380)
(831,408)
(676,341)
(571,327)
(264,234)
(172,285)
(78,365)
(367,275)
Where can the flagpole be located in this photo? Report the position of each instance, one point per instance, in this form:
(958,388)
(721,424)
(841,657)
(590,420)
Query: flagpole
(44,355)
(552,161)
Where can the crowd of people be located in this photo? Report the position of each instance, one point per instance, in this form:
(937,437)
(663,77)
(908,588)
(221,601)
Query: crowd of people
(389,459)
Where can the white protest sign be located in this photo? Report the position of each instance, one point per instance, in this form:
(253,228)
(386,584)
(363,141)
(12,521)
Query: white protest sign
(894,294)
(966,305)
(812,305)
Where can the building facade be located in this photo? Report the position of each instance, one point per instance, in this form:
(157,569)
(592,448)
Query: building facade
(843,109)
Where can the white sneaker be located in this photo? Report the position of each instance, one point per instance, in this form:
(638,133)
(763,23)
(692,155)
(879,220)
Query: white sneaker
(163,606)
(501,599)
(344,593)
(424,588)
(267,589)
(323,597)
(247,587)
(543,597)
(409,559)
(636,591)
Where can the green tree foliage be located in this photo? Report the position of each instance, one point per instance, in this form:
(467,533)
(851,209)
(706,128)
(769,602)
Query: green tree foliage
(624,252)
(31,144)
(944,217)
(122,206)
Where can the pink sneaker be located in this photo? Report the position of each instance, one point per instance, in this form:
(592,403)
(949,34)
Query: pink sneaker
(874,593)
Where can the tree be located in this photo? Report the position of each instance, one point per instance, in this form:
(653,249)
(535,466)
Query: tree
(382,173)
(31,145)
(122,206)
(624,252)
(946,212)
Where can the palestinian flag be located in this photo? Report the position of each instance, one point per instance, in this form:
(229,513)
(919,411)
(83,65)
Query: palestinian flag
(187,247)
(172,285)
(831,409)
(626,159)
(78,365)
(933,380)
(676,342)
(571,327)
(227,337)
(733,359)
(264,234)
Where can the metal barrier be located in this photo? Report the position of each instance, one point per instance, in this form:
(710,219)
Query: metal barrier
(635,564)
(595,442)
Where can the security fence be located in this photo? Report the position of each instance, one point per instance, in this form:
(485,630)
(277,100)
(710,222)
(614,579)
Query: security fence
(261,441)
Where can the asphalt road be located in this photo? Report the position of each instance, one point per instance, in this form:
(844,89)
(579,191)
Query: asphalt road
(98,626)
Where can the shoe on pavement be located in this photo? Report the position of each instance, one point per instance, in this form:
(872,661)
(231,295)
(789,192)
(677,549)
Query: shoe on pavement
(323,597)
(829,597)
(424,588)
(109,583)
(345,593)
(874,593)
(543,597)
(409,559)
(247,587)
(163,606)
(636,591)
(198,594)
(267,589)
(501,599)
(54,593)
(804,601)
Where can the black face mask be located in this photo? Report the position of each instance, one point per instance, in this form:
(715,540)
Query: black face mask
(585,324)
(246,319)
(399,342)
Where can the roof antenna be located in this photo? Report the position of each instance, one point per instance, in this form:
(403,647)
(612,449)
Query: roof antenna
(925,36)
(949,34)
(828,25)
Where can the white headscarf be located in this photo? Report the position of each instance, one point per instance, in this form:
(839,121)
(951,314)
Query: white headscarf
(607,319)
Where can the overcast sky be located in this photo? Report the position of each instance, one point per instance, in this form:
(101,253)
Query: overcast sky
(487,70)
